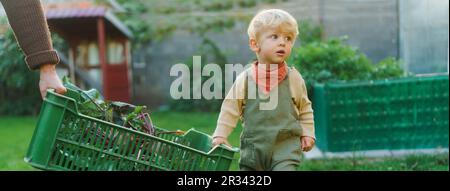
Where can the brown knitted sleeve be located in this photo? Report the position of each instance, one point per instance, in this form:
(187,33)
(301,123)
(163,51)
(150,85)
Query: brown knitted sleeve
(28,22)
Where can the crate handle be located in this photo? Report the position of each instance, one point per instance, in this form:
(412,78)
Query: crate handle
(234,149)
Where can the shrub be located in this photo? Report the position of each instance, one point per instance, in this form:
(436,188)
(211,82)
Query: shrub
(19,91)
(333,60)
(388,68)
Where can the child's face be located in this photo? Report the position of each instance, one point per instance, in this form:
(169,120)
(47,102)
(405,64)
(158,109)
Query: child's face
(273,45)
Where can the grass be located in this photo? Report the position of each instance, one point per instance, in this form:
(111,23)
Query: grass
(16,133)
(413,162)
(15,136)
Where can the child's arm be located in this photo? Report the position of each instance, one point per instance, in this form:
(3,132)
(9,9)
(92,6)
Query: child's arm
(230,112)
(306,112)
(303,104)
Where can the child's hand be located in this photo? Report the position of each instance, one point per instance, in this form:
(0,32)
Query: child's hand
(307,143)
(220,140)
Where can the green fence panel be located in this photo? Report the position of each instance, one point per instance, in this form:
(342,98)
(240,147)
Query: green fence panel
(404,113)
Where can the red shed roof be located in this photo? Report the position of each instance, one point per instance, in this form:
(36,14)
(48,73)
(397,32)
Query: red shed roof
(76,12)
(88,12)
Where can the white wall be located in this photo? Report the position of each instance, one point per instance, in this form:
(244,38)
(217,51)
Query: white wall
(424,35)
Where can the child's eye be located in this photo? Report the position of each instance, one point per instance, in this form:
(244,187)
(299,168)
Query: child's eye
(288,38)
(274,36)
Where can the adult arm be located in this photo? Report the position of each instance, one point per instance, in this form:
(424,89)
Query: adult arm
(28,22)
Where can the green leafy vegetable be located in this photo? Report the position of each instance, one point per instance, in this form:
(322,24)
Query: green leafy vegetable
(91,103)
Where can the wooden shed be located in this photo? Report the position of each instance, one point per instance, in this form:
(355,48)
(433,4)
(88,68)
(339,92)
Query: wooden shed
(99,48)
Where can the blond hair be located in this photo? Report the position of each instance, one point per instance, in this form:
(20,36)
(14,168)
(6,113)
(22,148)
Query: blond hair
(272,18)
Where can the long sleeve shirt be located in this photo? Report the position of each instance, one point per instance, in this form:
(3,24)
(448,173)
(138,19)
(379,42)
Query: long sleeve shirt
(28,22)
(233,105)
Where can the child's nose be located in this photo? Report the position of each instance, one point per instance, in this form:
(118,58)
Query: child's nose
(282,42)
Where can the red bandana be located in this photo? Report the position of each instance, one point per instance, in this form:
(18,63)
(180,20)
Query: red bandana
(272,76)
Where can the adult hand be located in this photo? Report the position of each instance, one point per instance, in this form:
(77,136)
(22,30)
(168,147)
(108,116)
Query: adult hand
(50,80)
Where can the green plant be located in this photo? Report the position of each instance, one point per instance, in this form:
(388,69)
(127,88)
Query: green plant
(319,62)
(19,93)
(91,103)
(19,90)
(333,60)
(387,68)
(247,3)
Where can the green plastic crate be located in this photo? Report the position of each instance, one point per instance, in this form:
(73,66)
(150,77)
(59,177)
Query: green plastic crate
(404,113)
(64,139)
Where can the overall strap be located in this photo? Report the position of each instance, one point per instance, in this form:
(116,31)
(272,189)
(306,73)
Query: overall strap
(246,86)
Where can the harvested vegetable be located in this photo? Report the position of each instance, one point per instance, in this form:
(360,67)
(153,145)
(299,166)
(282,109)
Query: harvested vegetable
(91,103)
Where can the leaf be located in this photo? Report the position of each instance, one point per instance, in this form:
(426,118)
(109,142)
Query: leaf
(91,103)
(109,115)
(134,114)
(68,84)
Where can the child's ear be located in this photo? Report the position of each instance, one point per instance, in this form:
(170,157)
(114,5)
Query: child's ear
(253,45)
